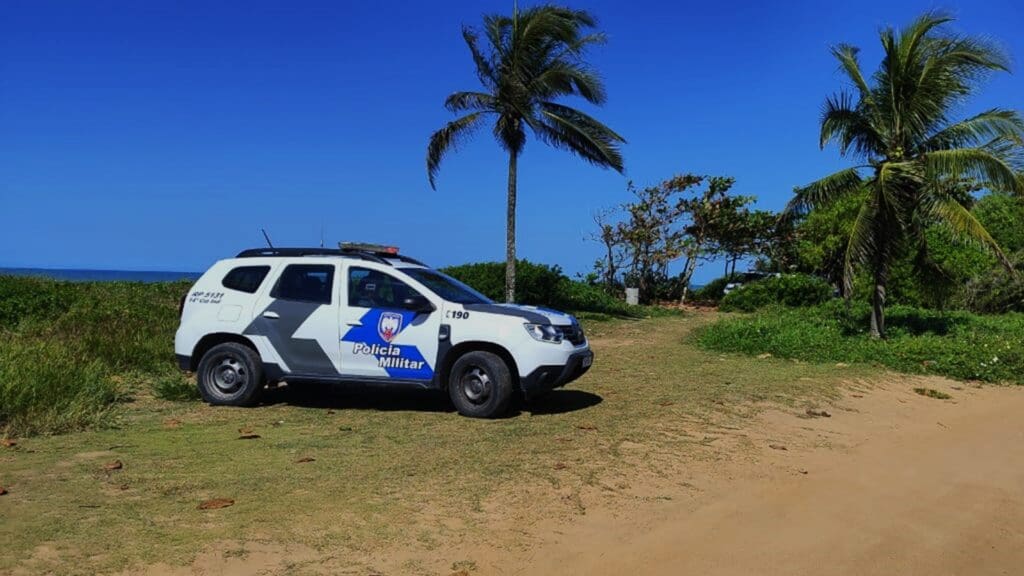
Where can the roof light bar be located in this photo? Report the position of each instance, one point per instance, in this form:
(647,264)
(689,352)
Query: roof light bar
(364,247)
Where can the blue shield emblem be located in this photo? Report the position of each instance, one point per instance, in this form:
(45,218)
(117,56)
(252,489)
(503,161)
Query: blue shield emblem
(389,325)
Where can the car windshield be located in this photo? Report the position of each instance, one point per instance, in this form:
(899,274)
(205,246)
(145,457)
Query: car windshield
(446,287)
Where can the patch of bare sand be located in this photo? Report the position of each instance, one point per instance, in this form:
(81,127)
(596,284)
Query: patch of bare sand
(890,482)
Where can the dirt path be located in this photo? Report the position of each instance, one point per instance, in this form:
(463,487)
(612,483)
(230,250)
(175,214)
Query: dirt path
(892,483)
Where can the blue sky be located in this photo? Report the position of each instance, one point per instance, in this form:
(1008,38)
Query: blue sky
(164,135)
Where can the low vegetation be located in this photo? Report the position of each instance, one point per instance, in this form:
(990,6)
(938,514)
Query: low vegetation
(71,352)
(544,285)
(957,344)
(787,289)
(932,393)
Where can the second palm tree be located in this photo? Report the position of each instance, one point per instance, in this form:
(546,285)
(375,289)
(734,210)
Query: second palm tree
(533,58)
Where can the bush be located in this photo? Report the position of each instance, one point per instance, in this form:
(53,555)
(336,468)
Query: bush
(175,387)
(48,387)
(996,292)
(27,297)
(535,283)
(540,285)
(788,289)
(580,296)
(69,351)
(713,291)
(955,344)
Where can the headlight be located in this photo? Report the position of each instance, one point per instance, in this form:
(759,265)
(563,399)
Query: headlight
(544,333)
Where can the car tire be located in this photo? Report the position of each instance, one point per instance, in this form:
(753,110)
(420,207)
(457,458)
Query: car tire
(230,374)
(480,385)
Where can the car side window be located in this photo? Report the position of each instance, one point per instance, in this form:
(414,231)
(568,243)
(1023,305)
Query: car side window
(305,283)
(246,278)
(372,289)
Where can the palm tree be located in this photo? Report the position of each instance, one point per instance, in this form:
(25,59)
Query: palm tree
(913,162)
(532,59)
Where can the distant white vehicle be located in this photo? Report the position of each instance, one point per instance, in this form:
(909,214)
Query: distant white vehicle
(363,313)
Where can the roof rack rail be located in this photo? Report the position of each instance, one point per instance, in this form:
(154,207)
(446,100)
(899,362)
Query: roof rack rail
(362,254)
(293,252)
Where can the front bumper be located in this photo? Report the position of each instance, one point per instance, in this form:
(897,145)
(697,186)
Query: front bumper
(546,378)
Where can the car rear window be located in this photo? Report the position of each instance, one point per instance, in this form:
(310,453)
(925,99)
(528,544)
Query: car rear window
(246,278)
(305,283)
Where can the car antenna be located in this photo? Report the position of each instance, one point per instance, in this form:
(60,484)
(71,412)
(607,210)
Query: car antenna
(321,234)
(266,237)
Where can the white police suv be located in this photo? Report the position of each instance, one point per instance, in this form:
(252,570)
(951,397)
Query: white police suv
(364,313)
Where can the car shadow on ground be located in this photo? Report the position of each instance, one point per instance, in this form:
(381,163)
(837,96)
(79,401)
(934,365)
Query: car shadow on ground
(356,397)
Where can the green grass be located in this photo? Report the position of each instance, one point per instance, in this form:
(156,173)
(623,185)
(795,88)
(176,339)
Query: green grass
(72,353)
(391,470)
(959,345)
(932,393)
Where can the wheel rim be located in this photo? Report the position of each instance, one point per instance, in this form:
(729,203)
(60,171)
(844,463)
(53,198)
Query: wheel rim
(228,374)
(476,385)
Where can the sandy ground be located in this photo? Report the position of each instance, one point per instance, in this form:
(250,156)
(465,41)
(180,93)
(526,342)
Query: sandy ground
(890,482)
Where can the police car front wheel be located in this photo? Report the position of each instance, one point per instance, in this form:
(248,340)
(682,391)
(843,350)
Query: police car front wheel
(480,385)
(230,374)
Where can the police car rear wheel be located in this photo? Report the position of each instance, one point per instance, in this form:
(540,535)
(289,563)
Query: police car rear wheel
(230,374)
(480,385)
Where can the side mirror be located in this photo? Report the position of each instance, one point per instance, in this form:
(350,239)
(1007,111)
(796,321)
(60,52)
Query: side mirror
(418,304)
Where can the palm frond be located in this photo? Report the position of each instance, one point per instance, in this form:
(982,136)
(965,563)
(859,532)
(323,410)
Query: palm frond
(554,24)
(563,78)
(823,192)
(965,226)
(912,38)
(577,48)
(569,129)
(847,56)
(484,69)
(447,139)
(844,122)
(988,165)
(862,243)
(979,129)
(476,101)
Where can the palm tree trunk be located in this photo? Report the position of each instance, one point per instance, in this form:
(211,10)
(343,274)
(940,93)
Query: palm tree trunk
(510,232)
(878,301)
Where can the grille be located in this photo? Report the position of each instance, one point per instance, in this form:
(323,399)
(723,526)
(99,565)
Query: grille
(573,333)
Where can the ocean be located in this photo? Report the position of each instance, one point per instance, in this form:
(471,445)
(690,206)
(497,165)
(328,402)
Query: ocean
(83,275)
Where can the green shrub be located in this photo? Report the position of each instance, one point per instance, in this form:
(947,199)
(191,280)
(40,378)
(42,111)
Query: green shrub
(69,351)
(26,297)
(580,296)
(955,344)
(996,292)
(535,283)
(127,325)
(713,291)
(540,285)
(47,387)
(788,289)
(176,387)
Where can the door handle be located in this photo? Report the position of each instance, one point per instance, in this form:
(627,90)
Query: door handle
(354,323)
(271,315)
